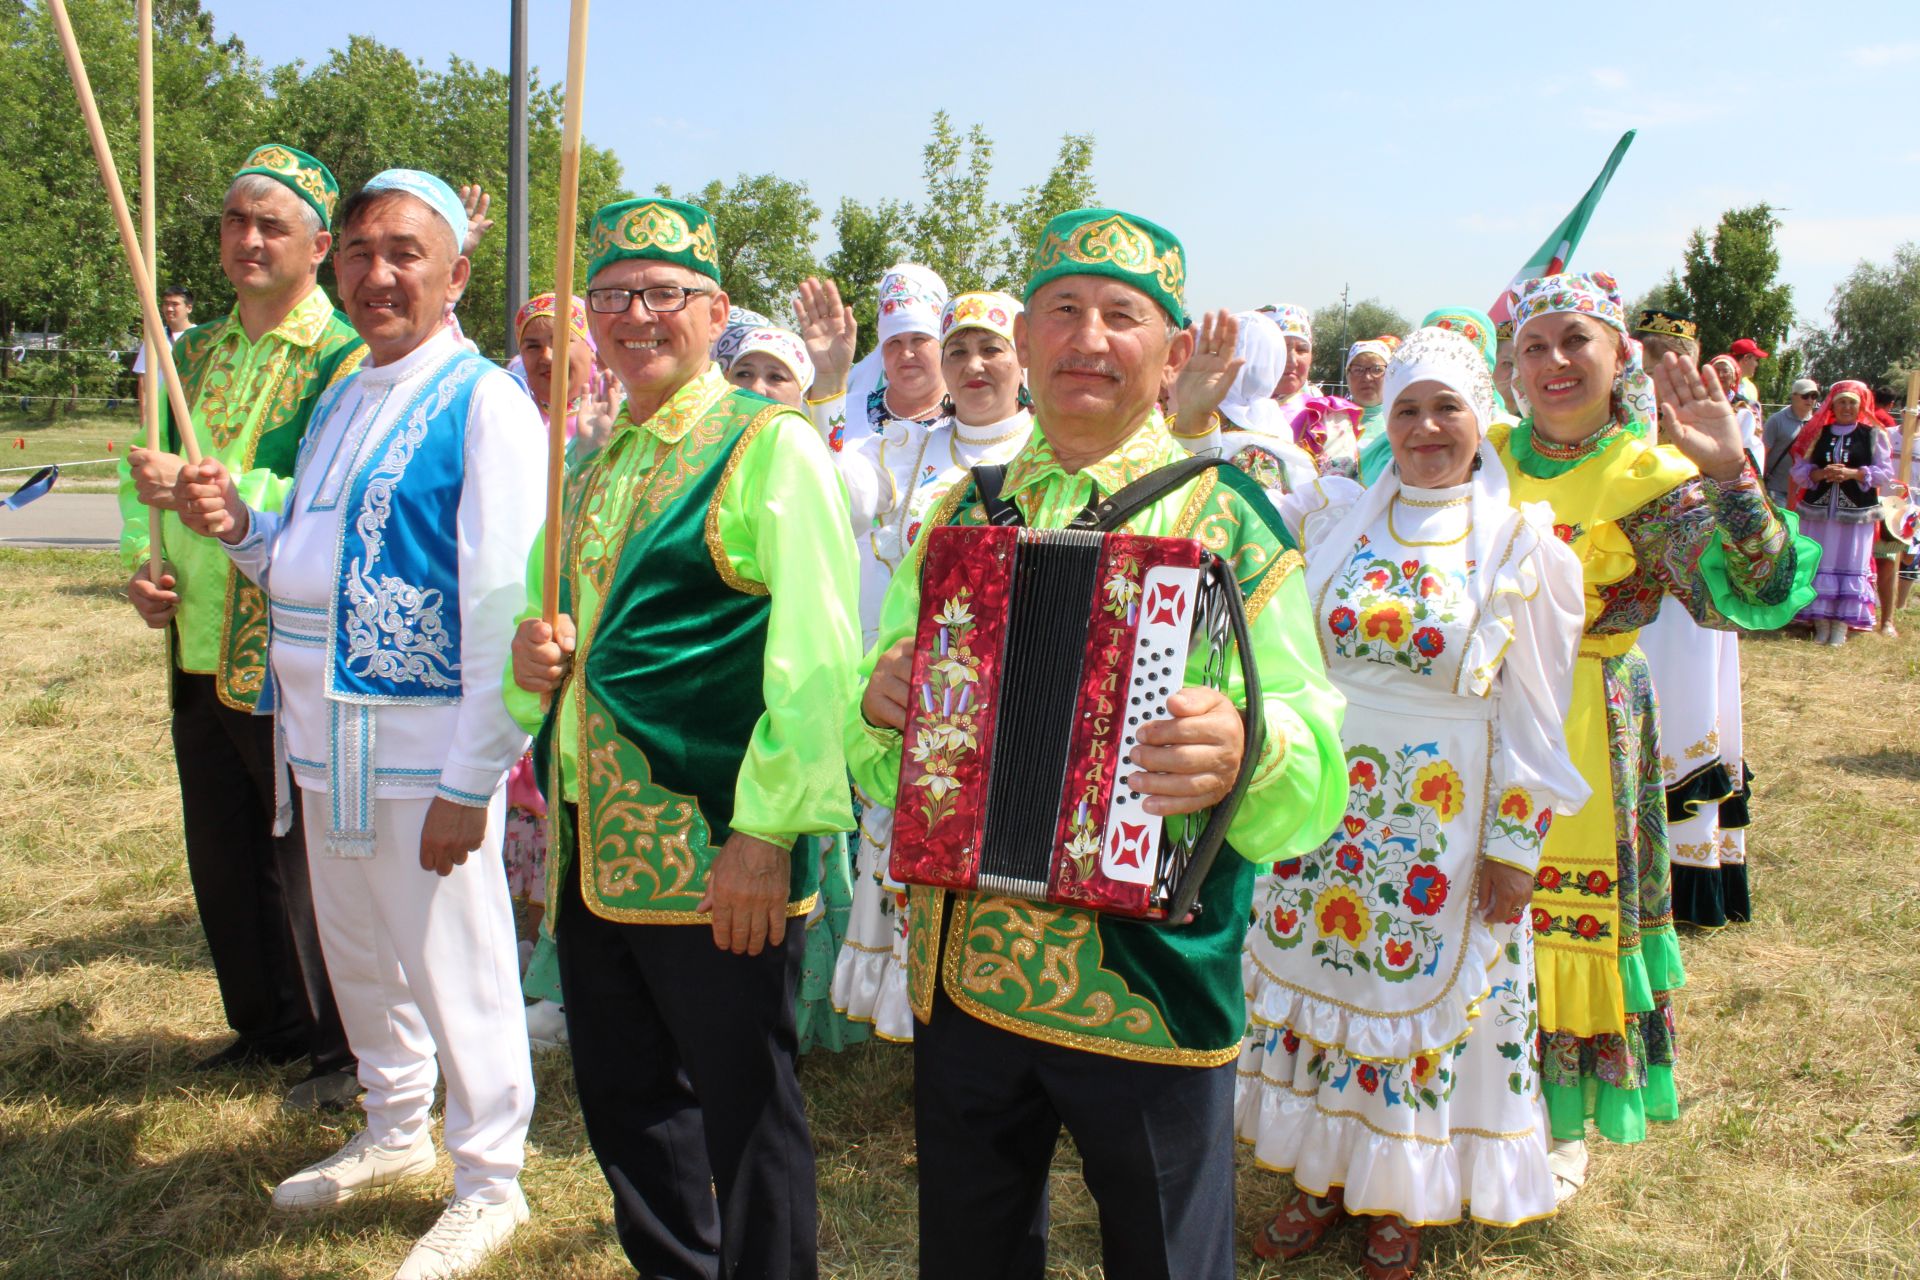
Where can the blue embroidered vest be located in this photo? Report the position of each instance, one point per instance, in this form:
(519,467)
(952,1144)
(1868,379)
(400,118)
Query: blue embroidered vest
(394,631)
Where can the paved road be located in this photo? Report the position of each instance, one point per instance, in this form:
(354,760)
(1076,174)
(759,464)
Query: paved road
(63,520)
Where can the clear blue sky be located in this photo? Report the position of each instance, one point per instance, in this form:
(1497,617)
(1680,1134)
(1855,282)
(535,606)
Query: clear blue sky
(1416,152)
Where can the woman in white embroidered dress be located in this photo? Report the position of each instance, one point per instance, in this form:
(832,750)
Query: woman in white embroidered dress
(1451,621)
(893,480)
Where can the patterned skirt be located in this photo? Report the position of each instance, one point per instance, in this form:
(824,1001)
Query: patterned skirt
(1622,1081)
(1844,587)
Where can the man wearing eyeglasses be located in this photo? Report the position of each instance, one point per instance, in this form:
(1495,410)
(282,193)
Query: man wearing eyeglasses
(694,681)
(1778,436)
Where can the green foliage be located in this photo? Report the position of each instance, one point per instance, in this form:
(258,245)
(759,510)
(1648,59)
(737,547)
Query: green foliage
(361,109)
(1369,318)
(1069,185)
(1729,284)
(973,241)
(871,240)
(766,228)
(369,106)
(957,231)
(1873,330)
(1668,295)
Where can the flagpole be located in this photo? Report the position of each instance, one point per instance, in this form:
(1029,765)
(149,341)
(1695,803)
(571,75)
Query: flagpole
(123,221)
(563,305)
(150,375)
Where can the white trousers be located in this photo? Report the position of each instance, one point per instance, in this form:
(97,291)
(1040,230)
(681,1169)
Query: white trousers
(425,966)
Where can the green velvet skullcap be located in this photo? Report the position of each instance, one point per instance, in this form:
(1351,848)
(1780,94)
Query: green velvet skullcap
(656,229)
(302,174)
(1107,242)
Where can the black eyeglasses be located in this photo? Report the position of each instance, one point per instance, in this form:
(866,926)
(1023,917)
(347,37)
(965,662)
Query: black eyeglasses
(661,299)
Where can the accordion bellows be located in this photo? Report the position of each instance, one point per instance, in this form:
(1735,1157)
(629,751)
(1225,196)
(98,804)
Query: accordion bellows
(1039,656)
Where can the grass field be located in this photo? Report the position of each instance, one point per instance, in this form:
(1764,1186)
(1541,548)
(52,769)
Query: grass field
(34,440)
(1797,1156)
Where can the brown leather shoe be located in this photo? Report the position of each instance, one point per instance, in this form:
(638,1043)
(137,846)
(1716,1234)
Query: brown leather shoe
(1392,1250)
(1300,1226)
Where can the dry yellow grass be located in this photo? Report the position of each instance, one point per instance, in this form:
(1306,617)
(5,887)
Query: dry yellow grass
(1798,1154)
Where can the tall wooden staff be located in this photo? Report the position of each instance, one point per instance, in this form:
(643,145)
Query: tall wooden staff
(150,376)
(563,304)
(129,241)
(1909,429)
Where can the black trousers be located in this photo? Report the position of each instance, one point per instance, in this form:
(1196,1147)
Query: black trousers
(1156,1147)
(256,906)
(683,1056)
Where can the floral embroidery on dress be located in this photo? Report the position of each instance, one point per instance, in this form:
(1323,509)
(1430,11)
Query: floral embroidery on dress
(950,699)
(1521,826)
(1371,893)
(1421,1083)
(1396,612)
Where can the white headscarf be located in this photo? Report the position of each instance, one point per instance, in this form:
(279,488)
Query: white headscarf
(1433,355)
(783,345)
(1249,403)
(911,297)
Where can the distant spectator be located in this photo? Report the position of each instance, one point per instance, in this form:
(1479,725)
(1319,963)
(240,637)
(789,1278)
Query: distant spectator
(176,312)
(1748,355)
(1841,460)
(1779,434)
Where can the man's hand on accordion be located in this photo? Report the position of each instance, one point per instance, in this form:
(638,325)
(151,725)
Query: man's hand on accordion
(542,654)
(747,894)
(1188,762)
(885,702)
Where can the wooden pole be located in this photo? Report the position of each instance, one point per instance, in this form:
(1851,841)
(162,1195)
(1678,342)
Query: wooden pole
(563,303)
(123,219)
(150,377)
(1909,432)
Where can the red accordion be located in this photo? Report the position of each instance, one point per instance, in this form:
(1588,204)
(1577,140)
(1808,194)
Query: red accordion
(1040,654)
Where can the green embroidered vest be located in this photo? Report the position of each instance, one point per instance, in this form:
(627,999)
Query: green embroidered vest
(1100,983)
(283,396)
(666,684)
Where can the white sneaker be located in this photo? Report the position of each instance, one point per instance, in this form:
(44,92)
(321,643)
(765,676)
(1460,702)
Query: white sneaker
(468,1233)
(546,1025)
(359,1166)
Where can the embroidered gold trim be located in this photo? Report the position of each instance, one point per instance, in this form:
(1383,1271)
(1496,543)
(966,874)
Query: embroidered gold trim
(650,915)
(1405,541)
(715,547)
(953,939)
(1277,574)
(1196,505)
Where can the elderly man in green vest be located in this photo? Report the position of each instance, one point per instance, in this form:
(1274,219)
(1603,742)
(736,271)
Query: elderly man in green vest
(696,681)
(1035,1016)
(251,379)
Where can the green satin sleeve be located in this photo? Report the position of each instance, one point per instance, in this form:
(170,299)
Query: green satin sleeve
(783,523)
(873,755)
(523,706)
(1299,786)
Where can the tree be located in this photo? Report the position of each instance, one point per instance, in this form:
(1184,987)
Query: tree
(1873,332)
(1069,185)
(765,231)
(369,107)
(957,231)
(1370,318)
(61,266)
(1668,295)
(871,240)
(1729,285)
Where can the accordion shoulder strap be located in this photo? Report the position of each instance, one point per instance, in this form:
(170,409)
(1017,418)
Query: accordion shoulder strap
(987,479)
(1106,515)
(1127,501)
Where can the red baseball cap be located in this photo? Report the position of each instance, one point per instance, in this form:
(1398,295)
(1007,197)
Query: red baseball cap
(1747,347)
